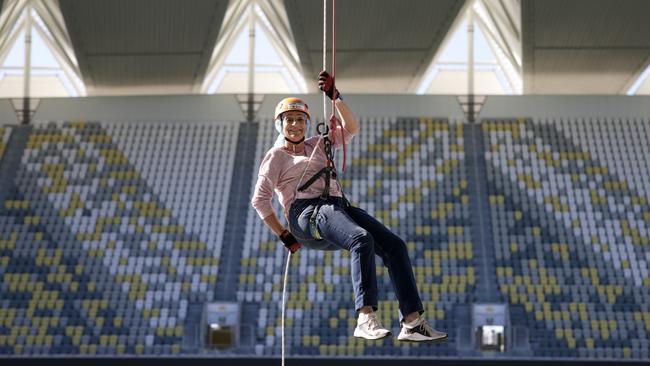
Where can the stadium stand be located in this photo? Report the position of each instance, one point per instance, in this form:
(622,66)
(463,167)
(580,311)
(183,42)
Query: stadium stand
(94,260)
(407,172)
(106,238)
(570,223)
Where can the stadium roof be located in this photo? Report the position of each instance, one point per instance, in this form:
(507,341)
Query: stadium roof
(584,46)
(383,46)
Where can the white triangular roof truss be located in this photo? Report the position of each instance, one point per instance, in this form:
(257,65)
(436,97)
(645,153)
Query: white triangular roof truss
(271,16)
(48,21)
(500,23)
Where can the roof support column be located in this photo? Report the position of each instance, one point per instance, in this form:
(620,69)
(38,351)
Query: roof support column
(470,64)
(27,70)
(251,63)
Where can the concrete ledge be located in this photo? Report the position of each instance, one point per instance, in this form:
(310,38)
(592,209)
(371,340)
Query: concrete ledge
(7,113)
(557,106)
(135,108)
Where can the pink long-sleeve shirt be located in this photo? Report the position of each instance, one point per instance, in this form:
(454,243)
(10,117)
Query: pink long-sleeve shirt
(280,171)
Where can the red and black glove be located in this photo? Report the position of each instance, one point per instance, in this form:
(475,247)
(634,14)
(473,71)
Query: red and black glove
(289,241)
(326,84)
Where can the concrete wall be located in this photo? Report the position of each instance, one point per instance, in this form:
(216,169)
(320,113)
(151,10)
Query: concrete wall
(377,105)
(7,114)
(226,107)
(143,108)
(616,106)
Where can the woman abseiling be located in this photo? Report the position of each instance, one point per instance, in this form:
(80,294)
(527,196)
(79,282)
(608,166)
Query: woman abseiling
(320,217)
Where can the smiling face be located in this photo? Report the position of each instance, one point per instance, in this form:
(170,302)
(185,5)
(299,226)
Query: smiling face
(293,125)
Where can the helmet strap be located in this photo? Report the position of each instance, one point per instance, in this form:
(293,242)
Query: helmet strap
(295,142)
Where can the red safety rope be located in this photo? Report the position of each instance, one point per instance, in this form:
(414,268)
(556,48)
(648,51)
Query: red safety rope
(334,120)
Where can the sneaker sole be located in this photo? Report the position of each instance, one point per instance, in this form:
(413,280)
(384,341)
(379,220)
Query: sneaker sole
(433,340)
(359,334)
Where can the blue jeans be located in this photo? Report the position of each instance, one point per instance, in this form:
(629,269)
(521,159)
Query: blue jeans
(353,229)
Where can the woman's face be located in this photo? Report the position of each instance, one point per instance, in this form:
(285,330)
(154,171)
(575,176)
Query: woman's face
(294,124)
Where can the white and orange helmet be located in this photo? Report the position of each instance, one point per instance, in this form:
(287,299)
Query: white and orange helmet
(288,105)
(291,104)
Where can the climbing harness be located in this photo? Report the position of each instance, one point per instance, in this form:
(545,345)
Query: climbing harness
(329,171)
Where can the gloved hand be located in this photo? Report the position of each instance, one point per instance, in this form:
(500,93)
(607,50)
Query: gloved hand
(326,84)
(289,241)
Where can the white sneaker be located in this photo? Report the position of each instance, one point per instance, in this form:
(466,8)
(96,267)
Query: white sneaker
(368,327)
(419,330)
